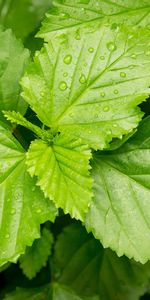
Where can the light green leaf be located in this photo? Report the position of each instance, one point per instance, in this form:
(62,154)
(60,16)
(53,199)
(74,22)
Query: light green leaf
(22,205)
(62,168)
(120,213)
(89,269)
(90,86)
(13,60)
(36,256)
(23,16)
(72,15)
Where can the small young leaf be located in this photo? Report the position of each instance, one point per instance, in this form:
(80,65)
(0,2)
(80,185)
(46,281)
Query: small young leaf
(22,205)
(120,213)
(71,15)
(62,168)
(90,87)
(37,255)
(13,60)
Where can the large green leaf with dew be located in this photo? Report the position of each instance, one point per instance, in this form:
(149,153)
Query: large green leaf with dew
(71,15)
(22,205)
(120,212)
(62,167)
(23,16)
(37,255)
(13,61)
(89,86)
(89,269)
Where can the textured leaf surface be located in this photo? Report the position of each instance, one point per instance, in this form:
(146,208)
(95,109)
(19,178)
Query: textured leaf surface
(90,85)
(42,293)
(53,292)
(37,255)
(22,205)
(69,15)
(13,60)
(78,264)
(62,168)
(88,268)
(23,16)
(120,213)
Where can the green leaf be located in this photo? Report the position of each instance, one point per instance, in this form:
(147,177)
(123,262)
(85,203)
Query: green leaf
(78,264)
(62,168)
(22,205)
(41,293)
(36,256)
(13,60)
(23,16)
(72,15)
(90,86)
(53,292)
(120,213)
(89,269)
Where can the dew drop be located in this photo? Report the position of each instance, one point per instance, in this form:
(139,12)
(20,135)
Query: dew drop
(123,74)
(91,49)
(106,108)
(13,211)
(102,94)
(116,92)
(68,59)
(7,236)
(115,125)
(65,74)
(39,211)
(77,37)
(89,131)
(63,86)
(111,46)
(133,56)
(82,79)
(102,57)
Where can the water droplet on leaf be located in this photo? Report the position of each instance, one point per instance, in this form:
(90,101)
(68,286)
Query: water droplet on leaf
(116,91)
(102,57)
(68,59)
(91,50)
(122,74)
(82,79)
(102,94)
(63,86)
(111,46)
(106,108)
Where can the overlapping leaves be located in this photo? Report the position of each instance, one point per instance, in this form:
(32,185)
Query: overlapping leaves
(22,205)
(72,15)
(120,213)
(89,85)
